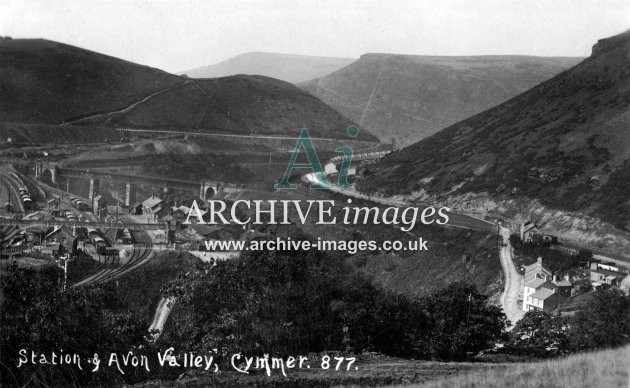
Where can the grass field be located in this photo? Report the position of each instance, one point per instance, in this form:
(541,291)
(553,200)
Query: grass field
(608,368)
(373,370)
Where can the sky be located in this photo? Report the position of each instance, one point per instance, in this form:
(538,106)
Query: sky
(178,36)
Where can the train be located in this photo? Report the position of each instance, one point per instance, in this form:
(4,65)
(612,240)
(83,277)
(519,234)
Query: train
(79,204)
(26,198)
(98,241)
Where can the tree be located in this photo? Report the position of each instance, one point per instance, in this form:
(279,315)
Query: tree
(462,322)
(538,334)
(603,322)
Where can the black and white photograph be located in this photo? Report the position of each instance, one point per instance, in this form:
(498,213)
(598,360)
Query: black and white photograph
(315,193)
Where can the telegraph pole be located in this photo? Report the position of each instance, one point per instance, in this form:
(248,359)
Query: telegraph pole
(468,323)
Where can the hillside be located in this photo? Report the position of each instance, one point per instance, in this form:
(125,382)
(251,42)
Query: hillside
(48,82)
(564,142)
(413,273)
(44,82)
(287,67)
(405,98)
(606,368)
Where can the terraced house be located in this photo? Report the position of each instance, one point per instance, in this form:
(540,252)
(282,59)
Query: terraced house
(541,290)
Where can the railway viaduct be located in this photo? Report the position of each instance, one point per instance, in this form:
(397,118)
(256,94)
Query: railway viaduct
(207,188)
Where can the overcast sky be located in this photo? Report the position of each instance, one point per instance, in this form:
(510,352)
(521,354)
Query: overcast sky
(177,36)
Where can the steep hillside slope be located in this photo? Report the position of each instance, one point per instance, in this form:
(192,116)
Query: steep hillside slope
(48,82)
(405,98)
(287,67)
(45,82)
(238,105)
(565,142)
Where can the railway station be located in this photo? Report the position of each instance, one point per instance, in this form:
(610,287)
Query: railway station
(43,225)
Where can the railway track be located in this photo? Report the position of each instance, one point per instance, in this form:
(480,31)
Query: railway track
(112,267)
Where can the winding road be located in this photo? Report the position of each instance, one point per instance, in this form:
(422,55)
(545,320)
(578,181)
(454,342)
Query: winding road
(513,283)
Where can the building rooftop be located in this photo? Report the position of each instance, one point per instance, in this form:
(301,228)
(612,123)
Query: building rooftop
(542,294)
(536,268)
(563,283)
(607,273)
(151,202)
(186,210)
(535,283)
(529,226)
(205,230)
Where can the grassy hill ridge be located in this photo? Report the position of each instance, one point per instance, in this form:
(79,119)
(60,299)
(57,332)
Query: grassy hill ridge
(404,98)
(564,142)
(44,82)
(287,67)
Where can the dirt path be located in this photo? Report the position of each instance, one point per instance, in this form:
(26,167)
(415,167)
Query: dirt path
(128,108)
(513,281)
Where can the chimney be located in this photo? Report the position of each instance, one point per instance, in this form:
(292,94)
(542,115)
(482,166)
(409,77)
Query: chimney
(566,277)
(539,260)
(555,278)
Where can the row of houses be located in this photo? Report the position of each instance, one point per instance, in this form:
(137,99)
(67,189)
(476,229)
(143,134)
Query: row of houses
(544,291)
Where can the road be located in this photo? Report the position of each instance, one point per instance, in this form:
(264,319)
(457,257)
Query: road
(455,219)
(513,280)
(513,283)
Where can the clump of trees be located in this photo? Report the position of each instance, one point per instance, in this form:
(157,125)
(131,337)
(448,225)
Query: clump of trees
(35,314)
(555,259)
(294,303)
(281,303)
(603,322)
